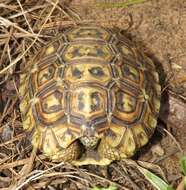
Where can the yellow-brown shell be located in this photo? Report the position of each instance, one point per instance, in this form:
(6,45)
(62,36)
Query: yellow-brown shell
(90,82)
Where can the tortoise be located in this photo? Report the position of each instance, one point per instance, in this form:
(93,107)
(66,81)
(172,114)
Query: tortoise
(90,97)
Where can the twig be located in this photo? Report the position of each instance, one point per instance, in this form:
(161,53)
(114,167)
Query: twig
(36,38)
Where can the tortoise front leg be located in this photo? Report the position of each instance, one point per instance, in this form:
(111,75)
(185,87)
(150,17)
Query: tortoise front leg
(52,148)
(122,143)
(107,151)
(68,154)
(117,147)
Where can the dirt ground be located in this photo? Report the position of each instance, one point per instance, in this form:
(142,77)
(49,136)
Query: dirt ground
(158,27)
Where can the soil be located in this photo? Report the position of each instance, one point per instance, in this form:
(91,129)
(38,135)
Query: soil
(158,27)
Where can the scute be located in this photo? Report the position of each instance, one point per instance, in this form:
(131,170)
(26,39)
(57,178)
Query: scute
(88,72)
(81,51)
(129,105)
(50,107)
(88,102)
(90,83)
(45,75)
(125,102)
(88,33)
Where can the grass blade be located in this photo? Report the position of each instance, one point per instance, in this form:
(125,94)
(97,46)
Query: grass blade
(155,180)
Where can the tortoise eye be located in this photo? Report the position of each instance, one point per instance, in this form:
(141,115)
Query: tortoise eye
(96,71)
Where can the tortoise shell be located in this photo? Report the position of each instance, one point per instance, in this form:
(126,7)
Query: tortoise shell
(90,97)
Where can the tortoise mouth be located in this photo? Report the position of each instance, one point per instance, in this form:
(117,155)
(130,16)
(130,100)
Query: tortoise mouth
(90,142)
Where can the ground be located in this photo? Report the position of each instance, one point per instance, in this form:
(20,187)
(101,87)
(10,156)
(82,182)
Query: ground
(158,27)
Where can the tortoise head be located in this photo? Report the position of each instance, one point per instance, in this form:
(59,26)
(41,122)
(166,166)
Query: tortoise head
(90,142)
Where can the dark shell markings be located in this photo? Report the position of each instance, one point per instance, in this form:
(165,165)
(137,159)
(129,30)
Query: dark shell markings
(90,90)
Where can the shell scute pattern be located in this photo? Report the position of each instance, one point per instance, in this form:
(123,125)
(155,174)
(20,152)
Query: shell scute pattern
(50,107)
(89,72)
(89,82)
(88,51)
(88,102)
(88,33)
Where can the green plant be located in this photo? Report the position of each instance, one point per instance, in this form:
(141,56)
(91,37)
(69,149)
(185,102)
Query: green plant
(161,184)
(155,180)
(183,168)
(112,187)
